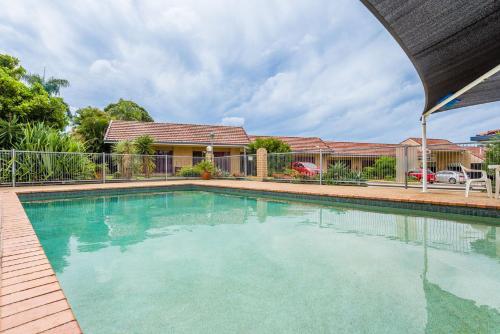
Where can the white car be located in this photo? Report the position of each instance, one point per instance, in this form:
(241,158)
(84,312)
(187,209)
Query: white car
(449,176)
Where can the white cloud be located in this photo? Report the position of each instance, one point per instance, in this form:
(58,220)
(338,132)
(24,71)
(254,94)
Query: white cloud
(325,68)
(234,121)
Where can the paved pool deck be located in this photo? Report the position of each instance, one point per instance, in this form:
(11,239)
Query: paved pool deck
(31,298)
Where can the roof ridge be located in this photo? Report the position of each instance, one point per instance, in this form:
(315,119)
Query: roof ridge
(190,124)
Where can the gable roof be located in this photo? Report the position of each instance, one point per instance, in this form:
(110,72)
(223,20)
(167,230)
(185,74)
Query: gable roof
(174,133)
(364,149)
(299,143)
(437,144)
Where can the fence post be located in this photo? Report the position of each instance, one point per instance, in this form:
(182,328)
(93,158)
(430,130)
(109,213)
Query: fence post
(103,167)
(166,167)
(261,163)
(13,167)
(245,161)
(406,165)
(320,167)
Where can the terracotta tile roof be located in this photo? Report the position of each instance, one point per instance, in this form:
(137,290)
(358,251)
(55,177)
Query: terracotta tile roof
(438,144)
(299,143)
(366,149)
(489,132)
(173,133)
(478,151)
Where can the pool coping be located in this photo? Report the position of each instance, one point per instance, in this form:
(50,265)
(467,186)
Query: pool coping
(421,204)
(32,300)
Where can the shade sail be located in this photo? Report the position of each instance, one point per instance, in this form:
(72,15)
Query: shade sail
(451,43)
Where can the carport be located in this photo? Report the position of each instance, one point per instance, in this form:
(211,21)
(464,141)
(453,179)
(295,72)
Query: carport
(454,46)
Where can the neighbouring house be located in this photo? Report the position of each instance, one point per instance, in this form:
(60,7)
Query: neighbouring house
(443,155)
(485,136)
(358,155)
(185,144)
(305,149)
(355,155)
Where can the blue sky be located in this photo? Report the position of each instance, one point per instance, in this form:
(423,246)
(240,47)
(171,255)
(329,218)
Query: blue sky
(289,67)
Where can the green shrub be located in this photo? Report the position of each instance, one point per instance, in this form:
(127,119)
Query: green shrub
(189,171)
(383,168)
(340,173)
(205,166)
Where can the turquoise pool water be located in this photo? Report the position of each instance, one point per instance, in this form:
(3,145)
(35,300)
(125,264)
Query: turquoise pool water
(202,262)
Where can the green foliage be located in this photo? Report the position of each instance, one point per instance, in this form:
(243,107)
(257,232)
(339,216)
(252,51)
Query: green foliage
(198,169)
(124,147)
(11,66)
(90,125)
(127,111)
(42,165)
(341,173)
(189,171)
(51,85)
(124,159)
(383,168)
(492,154)
(29,104)
(205,166)
(272,145)
(10,132)
(144,145)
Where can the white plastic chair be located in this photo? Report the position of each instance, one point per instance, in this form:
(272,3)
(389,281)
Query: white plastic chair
(480,180)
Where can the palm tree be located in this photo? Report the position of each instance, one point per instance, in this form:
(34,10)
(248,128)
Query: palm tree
(144,146)
(51,85)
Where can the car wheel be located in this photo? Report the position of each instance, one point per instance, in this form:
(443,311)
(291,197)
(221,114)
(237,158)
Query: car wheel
(452,180)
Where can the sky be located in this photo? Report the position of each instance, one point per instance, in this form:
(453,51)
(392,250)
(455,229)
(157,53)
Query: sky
(277,67)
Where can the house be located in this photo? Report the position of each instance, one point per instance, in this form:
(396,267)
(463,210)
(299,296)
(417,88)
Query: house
(443,154)
(305,149)
(485,136)
(185,144)
(358,155)
(355,155)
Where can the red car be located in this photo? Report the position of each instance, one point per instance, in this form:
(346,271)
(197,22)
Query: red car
(418,174)
(305,168)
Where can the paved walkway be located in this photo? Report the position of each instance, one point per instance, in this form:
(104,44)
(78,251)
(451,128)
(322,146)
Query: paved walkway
(31,298)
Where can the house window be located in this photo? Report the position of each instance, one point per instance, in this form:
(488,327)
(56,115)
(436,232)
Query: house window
(476,165)
(367,163)
(197,157)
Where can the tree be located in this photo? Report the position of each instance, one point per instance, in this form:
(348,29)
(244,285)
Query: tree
(90,125)
(29,104)
(127,111)
(144,146)
(492,154)
(51,85)
(125,150)
(272,145)
(11,66)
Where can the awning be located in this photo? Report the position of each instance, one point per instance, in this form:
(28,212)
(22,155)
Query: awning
(453,44)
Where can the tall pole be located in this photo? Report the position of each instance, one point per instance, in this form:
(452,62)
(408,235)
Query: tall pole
(166,167)
(320,167)
(424,153)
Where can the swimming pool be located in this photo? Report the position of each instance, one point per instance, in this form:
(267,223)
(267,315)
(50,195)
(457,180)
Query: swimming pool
(206,262)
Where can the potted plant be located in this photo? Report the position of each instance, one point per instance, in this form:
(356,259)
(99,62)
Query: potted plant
(206,169)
